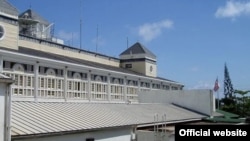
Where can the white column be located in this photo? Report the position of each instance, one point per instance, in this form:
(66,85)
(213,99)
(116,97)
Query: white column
(151,85)
(36,73)
(65,73)
(5,109)
(161,85)
(125,88)
(3,104)
(139,85)
(1,63)
(109,88)
(89,85)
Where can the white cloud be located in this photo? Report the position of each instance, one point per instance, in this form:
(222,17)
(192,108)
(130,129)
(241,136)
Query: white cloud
(149,31)
(203,85)
(233,9)
(194,69)
(98,42)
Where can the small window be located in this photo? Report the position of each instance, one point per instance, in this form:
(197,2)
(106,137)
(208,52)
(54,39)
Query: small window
(90,139)
(128,66)
(42,70)
(59,72)
(7,65)
(1,32)
(151,68)
(29,68)
(70,74)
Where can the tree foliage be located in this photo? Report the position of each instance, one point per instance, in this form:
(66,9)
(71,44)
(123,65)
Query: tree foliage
(238,104)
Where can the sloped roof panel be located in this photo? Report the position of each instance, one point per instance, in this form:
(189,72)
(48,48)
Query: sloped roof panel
(138,48)
(32,118)
(7,8)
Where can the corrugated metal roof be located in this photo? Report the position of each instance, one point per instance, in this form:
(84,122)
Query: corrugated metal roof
(31,118)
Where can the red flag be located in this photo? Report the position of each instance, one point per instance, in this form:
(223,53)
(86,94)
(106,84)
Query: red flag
(216,85)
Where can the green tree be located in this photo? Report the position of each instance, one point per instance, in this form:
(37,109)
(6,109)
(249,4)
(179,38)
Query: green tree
(243,103)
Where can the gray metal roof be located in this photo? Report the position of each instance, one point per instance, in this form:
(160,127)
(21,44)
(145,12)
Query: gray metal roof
(138,48)
(32,15)
(34,118)
(7,8)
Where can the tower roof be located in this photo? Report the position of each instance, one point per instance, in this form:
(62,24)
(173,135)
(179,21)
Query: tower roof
(7,8)
(138,48)
(32,15)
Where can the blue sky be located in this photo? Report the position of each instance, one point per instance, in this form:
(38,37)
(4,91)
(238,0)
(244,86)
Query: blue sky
(192,39)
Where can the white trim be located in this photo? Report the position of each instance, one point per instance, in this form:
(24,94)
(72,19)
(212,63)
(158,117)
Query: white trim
(8,15)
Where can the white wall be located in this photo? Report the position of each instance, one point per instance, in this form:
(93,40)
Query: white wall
(2,110)
(198,100)
(115,134)
(144,135)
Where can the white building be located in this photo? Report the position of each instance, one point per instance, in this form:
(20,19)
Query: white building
(43,68)
(65,93)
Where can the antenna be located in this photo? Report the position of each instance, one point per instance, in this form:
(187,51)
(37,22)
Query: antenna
(81,24)
(127,42)
(72,38)
(96,38)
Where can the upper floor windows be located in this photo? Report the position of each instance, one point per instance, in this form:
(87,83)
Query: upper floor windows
(50,71)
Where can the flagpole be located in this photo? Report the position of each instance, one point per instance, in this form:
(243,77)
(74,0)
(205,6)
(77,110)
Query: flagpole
(216,89)
(218,100)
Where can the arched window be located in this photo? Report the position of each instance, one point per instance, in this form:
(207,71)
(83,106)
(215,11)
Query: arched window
(131,83)
(98,78)
(1,32)
(77,75)
(116,81)
(18,67)
(143,84)
(51,72)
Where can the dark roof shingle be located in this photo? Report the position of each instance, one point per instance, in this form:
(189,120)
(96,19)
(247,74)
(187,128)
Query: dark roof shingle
(138,48)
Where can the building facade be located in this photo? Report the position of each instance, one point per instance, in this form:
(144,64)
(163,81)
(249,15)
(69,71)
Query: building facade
(52,91)
(43,67)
